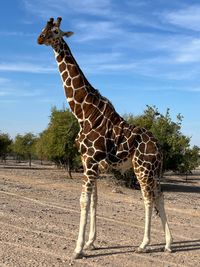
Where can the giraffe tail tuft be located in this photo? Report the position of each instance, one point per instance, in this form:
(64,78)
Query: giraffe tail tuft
(156,212)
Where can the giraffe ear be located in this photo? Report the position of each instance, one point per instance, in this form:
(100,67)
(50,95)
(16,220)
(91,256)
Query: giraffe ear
(67,34)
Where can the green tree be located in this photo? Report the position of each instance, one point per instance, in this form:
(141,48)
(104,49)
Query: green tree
(57,142)
(41,146)
(5,146)
(190,160)
(175,145)
(24,146)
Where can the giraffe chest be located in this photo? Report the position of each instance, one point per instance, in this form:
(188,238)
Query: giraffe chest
(115,150)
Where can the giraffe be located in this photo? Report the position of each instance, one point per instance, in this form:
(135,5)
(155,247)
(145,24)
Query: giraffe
(105,139)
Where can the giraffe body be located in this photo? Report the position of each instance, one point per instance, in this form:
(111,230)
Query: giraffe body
(105,139)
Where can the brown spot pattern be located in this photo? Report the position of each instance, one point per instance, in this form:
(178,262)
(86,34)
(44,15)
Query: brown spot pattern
(105,136)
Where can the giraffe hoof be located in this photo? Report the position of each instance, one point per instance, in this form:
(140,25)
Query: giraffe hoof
(168,250)
(89,247)
(141,250)
(77,256)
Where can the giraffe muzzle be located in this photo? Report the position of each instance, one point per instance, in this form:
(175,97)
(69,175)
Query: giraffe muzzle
(40,40)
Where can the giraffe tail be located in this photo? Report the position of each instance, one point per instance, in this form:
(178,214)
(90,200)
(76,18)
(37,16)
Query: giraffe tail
(158,192)
(156,212)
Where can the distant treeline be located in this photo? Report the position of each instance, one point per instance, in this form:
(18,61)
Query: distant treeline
(57,142)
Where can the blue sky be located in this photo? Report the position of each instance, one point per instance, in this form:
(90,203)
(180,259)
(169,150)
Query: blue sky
(136,53)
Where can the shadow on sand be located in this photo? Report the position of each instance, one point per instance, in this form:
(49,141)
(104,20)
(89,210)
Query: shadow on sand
(178,246)
(173,187)
(3,167)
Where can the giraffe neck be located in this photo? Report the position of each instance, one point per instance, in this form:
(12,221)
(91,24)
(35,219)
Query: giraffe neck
(75,84)
(86,103)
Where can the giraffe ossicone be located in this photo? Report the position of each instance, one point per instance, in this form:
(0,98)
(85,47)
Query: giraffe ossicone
(105,139)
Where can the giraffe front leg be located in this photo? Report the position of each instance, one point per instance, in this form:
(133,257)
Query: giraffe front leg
(84,204)
(92,234)
(87,200)
(146,238)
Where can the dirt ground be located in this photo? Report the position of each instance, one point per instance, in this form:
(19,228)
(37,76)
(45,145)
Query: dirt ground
(39,221)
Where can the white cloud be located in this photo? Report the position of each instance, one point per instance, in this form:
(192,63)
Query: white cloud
(3,93)
(14,89)
(100,58)
(14,92)
(11,91)
(3,80)
(189,52)
(91,7)
(188,17)
(100,30)
(67,7)
(158,50)
(8,101)
(16,33)
(26,67)
(193,89)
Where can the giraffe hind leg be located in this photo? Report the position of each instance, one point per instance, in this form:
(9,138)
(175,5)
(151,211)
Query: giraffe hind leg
(92,232)
(159,204)
(148,205)
(147,234)
(154,198)
(147,183)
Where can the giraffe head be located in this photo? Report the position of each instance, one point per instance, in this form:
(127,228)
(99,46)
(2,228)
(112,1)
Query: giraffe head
(52,33)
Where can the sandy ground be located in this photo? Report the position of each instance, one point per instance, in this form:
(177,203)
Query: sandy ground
(39,220)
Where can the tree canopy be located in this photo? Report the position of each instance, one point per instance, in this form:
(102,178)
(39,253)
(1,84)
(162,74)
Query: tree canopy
(24,146)
(175,145)
(5,145)
(57,142)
